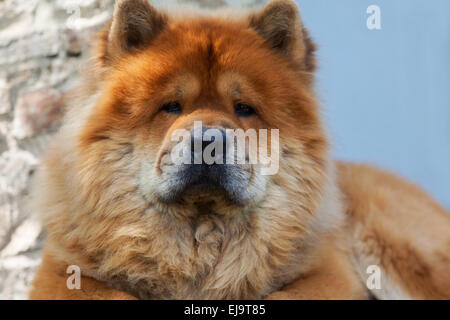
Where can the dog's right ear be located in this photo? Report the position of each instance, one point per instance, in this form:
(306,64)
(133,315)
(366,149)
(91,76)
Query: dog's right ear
(279,23)
(134,25)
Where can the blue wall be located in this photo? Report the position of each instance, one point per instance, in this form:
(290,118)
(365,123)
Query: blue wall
(386,93)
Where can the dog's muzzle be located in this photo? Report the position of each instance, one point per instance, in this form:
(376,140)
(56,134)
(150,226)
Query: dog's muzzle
(209,170)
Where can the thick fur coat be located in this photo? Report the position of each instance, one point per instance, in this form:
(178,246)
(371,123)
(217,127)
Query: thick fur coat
(308,232)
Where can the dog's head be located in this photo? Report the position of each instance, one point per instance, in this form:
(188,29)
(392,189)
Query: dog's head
(193,89)
(197,85)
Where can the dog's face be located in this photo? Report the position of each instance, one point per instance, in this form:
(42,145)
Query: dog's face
(223,76)
(202,77)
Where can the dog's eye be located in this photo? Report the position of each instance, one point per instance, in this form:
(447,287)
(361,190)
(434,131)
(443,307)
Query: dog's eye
(243,110)
(172,107)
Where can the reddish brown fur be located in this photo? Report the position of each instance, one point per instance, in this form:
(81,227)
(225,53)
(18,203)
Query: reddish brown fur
(401,228)
(91,189)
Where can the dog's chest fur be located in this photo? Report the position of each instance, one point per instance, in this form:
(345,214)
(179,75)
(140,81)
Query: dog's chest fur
(212,259)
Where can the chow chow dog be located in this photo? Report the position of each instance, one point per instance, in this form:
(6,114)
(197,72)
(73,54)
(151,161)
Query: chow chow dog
(139,226)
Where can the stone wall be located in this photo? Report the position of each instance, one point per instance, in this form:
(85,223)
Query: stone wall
(42,43)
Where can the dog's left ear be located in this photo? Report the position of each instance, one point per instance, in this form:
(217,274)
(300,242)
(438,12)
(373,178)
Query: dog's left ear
(280,25)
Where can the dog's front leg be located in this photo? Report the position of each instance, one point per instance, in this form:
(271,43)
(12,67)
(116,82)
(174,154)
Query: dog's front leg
(50,283)
(332,278)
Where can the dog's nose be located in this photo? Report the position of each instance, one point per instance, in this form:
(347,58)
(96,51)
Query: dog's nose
(209,136)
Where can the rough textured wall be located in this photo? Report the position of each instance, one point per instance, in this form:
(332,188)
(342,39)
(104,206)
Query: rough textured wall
(39,55)
(42,43)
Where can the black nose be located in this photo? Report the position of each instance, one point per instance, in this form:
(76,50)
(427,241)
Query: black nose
(215,137)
